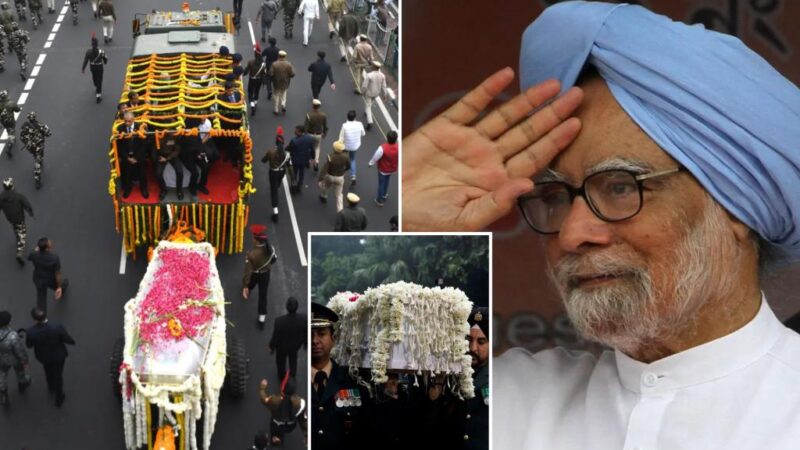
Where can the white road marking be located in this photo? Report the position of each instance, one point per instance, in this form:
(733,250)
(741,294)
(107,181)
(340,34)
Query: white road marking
(65,9)
(385,112)
(29,84)
(2,147)
(52,36)
(16,115)
(22,98)
(35,71)
(4,136)
(48,44)
(40,61)
(300,250)
(60,18)
(123,259)
(296,229)
(56,27)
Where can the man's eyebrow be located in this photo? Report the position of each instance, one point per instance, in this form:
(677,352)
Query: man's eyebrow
(634,165)
(550,175)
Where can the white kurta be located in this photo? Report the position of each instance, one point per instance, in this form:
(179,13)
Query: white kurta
(741,391)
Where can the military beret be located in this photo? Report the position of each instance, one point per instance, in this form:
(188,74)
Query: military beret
(259,231)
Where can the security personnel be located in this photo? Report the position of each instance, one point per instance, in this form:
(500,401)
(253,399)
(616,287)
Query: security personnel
(257,265)
(320,72)
(289,11)
(316,125)
(33,135)
(256,70)
(14,205)
(8,119)
(279,162)
(475,416)
(5,29)
(18,42)
(340,408)
(95,58)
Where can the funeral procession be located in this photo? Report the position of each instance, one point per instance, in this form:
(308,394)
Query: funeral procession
(162,165)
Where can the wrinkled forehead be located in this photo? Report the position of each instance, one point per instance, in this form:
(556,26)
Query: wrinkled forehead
(609,139)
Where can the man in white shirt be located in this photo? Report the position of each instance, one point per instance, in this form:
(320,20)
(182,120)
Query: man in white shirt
(351,133)
(661,201)
(309,9)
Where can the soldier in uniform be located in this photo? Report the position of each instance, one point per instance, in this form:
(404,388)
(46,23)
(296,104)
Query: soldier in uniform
(33,135)
(20,5)
(281,72)
(14,205)
(464,424)
(95,58)
(17,42)
(7,119)
(279,162)
(5,29)
(256,70)
(286,410)
(316,125)
(12,355)
(362,58)
(257,265)
(340,407)
(289,11)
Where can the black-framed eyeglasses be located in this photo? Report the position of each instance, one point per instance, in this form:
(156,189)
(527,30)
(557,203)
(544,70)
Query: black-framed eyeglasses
(613,195)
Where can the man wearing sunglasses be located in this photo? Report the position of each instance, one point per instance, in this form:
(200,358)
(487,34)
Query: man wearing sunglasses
(664,178)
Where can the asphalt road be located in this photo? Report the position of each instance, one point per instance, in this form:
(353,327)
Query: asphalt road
(74,210)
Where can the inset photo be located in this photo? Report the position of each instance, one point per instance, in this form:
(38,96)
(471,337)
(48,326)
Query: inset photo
(400,340)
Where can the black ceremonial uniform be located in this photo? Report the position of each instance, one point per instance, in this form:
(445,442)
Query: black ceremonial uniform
(339,416)
(258,263)
(96,58)
(474,419)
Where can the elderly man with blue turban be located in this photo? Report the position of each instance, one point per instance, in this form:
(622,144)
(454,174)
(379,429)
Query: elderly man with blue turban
(664,178)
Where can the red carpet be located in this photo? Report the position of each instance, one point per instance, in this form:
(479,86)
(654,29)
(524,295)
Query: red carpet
(223,187)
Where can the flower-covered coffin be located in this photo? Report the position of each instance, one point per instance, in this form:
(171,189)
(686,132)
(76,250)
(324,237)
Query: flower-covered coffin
(403,327)
(175,349)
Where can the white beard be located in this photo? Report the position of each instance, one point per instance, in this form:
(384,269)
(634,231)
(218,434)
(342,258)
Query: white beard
(631,313)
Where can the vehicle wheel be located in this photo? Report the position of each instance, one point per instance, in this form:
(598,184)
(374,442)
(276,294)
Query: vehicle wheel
(236,366)
(113,369)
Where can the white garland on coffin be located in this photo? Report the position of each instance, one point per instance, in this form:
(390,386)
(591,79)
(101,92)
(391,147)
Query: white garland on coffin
(196,388)
(405,327)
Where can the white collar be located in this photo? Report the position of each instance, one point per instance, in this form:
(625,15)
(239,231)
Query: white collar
(706,362)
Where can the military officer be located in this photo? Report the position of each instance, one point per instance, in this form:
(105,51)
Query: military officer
(257,265)
(33,135)
(256,70)
(95,58)
(17,42)
(279,162)
(340,408)
(286,409)
(14,205)
(8,120)
(289,11)
(475,416)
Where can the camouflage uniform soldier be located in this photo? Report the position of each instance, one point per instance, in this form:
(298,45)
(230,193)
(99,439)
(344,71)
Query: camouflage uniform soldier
(289,11)
(12,355)
(7,110)
(6,18)
(18,41)
(20,5)
(33,135)
(14,205)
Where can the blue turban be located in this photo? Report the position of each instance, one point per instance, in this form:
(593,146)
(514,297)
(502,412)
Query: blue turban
(706,99)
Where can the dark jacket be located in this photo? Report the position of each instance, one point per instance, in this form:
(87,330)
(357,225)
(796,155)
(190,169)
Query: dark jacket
(351,218)
(48,341)
(319,71)
(270,55)
(302,149)
(131,148)
(345,425)
(289,333)
(46,266)
(14,206)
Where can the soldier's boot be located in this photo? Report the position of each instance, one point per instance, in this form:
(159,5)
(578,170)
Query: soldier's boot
(274,214)
(4,397)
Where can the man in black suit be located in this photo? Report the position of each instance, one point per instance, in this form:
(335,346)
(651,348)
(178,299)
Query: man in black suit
(47,273)
(132,153)
(270,55)
(48,340)
(320,71)
(288,336)
(301,150)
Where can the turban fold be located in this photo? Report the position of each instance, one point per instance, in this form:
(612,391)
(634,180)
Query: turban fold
(706,99)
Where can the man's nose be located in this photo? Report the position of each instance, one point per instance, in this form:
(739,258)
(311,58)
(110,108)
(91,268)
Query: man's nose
(582,229)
